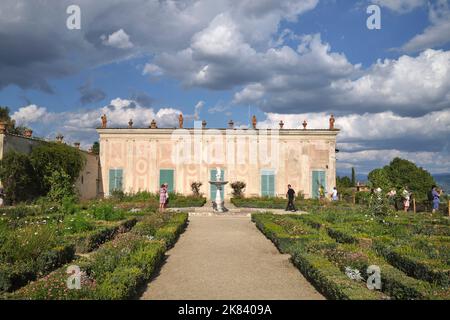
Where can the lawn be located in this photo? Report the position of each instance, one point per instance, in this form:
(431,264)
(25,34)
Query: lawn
(412,251)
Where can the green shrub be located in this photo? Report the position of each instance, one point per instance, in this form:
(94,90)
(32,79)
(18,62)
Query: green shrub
(120,284)
(78,223)
(88,241)
(17,176)
(106,212)
(61,186)
(238,188)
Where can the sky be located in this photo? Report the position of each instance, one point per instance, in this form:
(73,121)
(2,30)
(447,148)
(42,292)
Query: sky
(290,60)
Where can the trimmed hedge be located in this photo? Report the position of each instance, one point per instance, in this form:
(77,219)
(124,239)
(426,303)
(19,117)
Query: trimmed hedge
(412,267)
(116,270)
(322,256)
(16,275)
(323,274)
(91,240)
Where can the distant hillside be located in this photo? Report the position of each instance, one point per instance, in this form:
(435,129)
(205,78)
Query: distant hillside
(443,180)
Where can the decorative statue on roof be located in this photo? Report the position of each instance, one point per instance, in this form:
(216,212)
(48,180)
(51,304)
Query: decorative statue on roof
(305,124)
(203,124)
(180,121)
(104,121)
(254,122)
(130,123)
(153,124)
(332,120)
(281,124)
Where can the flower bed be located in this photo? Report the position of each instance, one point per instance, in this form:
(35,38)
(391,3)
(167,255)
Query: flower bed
(118,269)
(323,251)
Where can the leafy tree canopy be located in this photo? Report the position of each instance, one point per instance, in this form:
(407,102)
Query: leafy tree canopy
(343,183)
(50,157)
(96,148)
(400,173)
(17,176)
(10,123)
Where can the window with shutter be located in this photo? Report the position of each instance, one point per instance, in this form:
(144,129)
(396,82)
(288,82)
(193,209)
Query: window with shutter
(167,176)
(267,183)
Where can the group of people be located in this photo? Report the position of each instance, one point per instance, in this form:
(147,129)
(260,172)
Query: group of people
(163,197)
(434,196)
(290,195)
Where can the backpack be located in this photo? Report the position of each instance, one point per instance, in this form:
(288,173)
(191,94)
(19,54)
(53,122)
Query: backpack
(430,196)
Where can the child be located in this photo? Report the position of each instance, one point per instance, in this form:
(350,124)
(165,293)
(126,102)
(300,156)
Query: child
(162,198)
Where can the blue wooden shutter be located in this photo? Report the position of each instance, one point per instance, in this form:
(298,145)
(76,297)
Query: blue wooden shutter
(318,179)
(115,180)
(267,183)
(167,176)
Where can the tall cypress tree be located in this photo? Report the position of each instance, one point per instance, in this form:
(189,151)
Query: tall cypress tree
(353,177)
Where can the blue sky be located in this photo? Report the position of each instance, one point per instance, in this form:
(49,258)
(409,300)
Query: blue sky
(221,60)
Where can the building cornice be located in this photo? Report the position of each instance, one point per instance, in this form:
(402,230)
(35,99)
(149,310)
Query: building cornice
(211,131)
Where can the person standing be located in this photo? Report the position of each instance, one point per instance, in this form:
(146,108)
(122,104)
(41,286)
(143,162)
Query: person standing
(321,193)
(166,204)
(162,197)
(436,198)
(406,199)
(334,195)
(291,197)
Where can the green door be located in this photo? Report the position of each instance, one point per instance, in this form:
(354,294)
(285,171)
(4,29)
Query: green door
(213,187)
(267,183)
(166,176)
(318,179)
(115,180)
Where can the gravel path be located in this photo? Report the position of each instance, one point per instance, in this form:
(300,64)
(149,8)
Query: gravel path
(227,257)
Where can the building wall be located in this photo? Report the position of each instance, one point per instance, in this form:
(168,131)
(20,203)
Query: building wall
(141,153)
(88,184)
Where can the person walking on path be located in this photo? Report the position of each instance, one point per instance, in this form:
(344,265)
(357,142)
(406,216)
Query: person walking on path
(162,197)
(291,197)
(406,198)
(436,198)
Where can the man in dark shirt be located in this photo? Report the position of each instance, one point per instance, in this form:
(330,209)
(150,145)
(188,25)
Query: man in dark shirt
(291,197)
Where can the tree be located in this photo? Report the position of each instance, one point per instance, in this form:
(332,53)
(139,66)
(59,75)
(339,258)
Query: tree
(353,177)
(50,157)
(343,183)
(10,123)
(60,186)
(96,148)
(401,173)
(18,177)
(379,178)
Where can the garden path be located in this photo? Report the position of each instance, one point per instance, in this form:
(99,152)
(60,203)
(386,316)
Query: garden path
(227,257)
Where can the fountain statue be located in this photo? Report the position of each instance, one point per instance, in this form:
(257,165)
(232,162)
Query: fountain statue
(218,203)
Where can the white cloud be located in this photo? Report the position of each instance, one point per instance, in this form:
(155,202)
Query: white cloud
(401,6)
(29,114)
(152,69)
(119,39)
(372,140)
(437,34)
(80,125)
(316,80)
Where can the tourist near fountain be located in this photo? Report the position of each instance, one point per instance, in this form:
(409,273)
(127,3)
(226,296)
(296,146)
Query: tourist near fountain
(218,203)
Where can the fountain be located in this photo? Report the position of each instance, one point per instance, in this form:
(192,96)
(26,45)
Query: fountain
(218,203)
